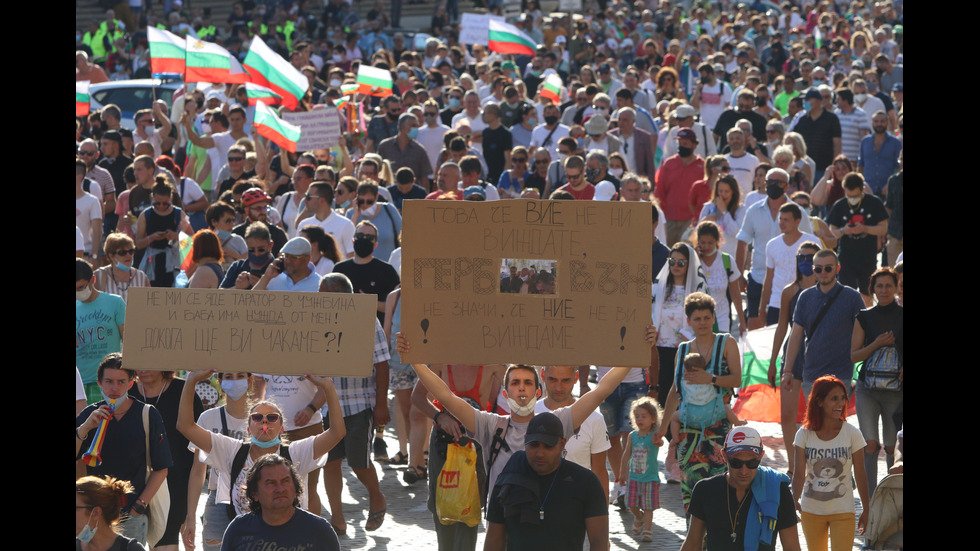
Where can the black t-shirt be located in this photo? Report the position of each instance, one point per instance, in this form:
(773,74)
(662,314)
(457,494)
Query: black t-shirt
(819,137)
(708,503)
(495,143)
(417,192)
(375,278)
(117,167)
(168,404)
(575,496)
(279,237)
(728,119)
(870,212)
(229,183)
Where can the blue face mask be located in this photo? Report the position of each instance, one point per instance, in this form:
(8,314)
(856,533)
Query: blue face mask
(122,267)
(270,444)
(413,133)
(454,103)
(235,389)
(580,142)
(533,121)
(106,399)
(257,260)
(224,235)
(806,105)
(402,75)
(87,534)
(343,205)
(805,267)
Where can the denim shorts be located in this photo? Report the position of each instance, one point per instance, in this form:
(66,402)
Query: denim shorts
(214,521)
(615,409)
(135,527)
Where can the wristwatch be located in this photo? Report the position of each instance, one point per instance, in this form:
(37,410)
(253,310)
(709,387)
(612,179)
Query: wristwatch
(140,507)
(714,380)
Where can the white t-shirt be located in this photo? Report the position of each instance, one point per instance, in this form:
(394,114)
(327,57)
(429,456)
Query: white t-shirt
(88,211)
(211,421)
(431,140)
(291,394)
(219,153)
(827,488)
(714,100)
(718,280)
(337,226)
(782,259)
(539,134)
(589,439)
(192,190)
(743,169)
(223,451)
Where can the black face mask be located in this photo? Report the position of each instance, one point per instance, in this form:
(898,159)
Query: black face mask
(685,151)
(363,247)
(550,120)
(774,191)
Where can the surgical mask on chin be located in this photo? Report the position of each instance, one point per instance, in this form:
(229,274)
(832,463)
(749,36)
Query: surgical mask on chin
(370,210)
(526,409)
(122,267)
(87,533)
(224,235)
(109,401)
(265,445)
(343,205)
(235,389)
(84,294)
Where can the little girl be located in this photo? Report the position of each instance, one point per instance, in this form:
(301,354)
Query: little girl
(640,457)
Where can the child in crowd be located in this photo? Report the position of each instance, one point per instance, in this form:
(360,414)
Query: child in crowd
(697,361)
(640,458)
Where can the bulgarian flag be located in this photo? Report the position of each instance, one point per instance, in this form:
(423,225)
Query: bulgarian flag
(757,399)
(167,53)
(208,62)
(342,102)
(281,133)
(617,32)
(349,89)
(82,99)
(506,39)
(261,94)
(551,89)
(373,81)
(269,69)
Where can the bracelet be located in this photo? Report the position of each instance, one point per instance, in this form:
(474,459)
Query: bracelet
(435,418)
(311,406)
(77,435)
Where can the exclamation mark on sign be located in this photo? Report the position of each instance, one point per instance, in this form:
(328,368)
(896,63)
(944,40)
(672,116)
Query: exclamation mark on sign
(425,330)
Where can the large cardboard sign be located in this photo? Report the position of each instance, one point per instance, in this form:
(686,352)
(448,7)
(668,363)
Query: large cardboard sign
(588,302)
(259,331)
(320,128)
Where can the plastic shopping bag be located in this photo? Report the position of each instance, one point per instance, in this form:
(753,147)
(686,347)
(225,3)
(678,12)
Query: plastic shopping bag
(458,491)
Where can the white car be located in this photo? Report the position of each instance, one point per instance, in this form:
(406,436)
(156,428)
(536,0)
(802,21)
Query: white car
(132,95)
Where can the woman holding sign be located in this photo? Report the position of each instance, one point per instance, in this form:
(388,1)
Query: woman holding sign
(681,276)
(232,457)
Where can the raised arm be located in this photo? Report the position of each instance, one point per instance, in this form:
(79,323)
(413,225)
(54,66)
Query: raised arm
(584,406)
(326,440)
(198,435)
(438,388)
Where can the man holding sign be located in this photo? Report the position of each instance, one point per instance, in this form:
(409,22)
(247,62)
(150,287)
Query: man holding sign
(499,435)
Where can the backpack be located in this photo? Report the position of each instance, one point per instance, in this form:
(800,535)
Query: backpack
(703,409)
(499,443)
(236,468)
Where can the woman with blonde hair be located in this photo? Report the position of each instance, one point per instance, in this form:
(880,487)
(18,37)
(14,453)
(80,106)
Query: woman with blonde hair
(118,277)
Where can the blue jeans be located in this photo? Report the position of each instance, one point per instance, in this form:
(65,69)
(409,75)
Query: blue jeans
(616,407)
(134,526)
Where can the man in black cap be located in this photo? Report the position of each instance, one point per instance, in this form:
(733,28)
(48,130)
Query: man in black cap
(542,501)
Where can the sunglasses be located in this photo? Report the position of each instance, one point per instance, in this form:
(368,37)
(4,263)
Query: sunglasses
(269,417)
(829,268)
(367,236)
(258,251)
(236,159)
(739,463)
(726,169)
(161,204)
(802,257)
(675,262)
(125,252)
(775,181)
(365,202)
(520,159)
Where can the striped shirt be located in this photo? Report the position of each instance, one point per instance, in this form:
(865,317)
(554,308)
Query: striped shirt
(851,125)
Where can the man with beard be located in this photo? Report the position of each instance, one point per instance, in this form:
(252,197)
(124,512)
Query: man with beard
(878,157)
(256,204)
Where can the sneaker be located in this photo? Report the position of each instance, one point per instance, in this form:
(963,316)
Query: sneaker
(621,497)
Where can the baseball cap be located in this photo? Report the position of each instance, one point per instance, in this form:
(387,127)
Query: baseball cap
(545,428)
(743,439)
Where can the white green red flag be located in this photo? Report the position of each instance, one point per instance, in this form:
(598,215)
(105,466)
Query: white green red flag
(372,81)
(269,69)
(208,62)
(280,132)
(507,39)
(167,53)
(261,94)
(82,99)
(551,89)
(349,89)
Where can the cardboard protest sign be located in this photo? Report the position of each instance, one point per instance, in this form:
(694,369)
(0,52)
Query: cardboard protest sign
(259,331)
(588,300)
(320,128)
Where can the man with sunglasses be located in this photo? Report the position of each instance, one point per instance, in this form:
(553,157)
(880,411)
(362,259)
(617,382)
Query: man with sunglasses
(319,201)
(823,319)
(255,203)
(749,503)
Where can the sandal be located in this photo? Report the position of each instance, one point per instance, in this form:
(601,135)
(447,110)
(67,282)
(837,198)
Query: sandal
(637,526)
(398,459)
(340,533)
(375,520)
(647,535)
(414,474)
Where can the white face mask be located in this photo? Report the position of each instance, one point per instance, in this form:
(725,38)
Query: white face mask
(370,210)
(617,172)
(855,200)
(602,111)
(84,294)
(522,410)
(335,83)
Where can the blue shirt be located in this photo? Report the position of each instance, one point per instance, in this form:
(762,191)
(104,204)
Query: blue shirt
(309,284)
(877,167)
(828,350)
